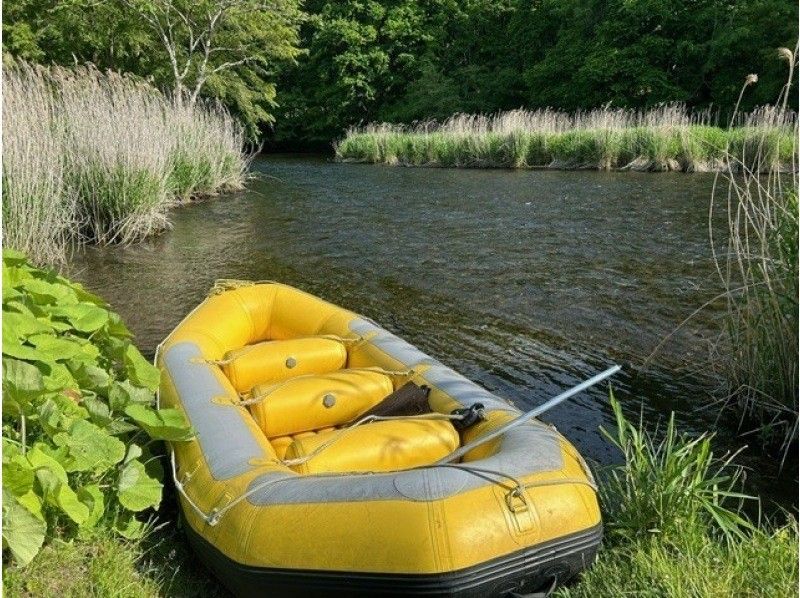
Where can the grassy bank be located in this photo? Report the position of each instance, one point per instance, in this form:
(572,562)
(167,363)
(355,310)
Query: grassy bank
(672,512)
(675,525)
(660,139)
(100,157)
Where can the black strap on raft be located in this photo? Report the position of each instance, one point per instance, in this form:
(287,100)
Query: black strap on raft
(470,416)
(409,399)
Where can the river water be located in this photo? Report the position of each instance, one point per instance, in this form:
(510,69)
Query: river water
(524,281)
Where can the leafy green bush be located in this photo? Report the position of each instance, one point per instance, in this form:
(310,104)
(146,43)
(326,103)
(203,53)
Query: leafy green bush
(80,429)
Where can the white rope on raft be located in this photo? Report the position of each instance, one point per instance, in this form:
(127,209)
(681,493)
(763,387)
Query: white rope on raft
(213,517)
(517,490)
(258,398)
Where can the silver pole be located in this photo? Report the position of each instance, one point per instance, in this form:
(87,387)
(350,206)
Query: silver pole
(530,414)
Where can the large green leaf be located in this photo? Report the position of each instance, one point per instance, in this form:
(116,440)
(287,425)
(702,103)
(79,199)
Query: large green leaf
(21,382)
(18,325)
(86,296)
(67,500)
(140,371)
(90,447)
(31,501)
(58,412)
(56,376)
(54,348)
(136,490)
(17,475)
(55,486)
(17,349)
(89,375)
(39,459)
(164,424)
(12,257)
(99,411)
(85,317)
(116,327)
(124,393)
(23,532)
(21,376)
(44,292)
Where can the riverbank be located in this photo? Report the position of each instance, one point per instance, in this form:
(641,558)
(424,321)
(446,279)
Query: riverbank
(91,157)
(673,528)
(663,139)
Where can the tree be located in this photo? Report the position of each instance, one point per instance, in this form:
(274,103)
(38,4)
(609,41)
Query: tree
(224,49)
(210,38)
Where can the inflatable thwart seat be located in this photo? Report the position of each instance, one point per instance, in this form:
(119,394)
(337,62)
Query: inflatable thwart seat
(288,489)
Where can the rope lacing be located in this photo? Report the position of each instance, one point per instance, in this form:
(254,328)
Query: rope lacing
(515,490)
(246,399)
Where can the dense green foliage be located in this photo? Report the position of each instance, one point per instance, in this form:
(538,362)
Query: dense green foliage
(79,422)
(227,50)
(674,525)
(402,60)
(399,60)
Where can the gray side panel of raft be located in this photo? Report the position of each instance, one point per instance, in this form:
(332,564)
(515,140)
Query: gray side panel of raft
(463,390)
(224,437)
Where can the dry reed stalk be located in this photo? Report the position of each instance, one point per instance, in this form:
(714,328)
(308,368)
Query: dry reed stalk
(101,157)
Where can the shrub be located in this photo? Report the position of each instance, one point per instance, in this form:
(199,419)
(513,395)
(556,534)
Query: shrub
(78,415)
(670,484)
(758,352)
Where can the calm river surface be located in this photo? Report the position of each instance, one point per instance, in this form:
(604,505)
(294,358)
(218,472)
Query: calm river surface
(524,281)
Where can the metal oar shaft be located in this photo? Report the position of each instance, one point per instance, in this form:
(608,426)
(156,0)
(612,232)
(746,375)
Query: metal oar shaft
(530,414)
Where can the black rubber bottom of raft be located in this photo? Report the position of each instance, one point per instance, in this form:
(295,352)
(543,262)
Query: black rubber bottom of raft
(530,570)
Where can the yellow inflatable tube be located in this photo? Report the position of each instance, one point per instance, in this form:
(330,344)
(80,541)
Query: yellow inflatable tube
(515,515)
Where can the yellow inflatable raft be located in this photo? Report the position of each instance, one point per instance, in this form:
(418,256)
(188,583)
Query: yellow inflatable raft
(287,490)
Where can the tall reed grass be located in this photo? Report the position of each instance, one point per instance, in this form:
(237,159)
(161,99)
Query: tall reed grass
(102,157)
(668,137)
(759,275)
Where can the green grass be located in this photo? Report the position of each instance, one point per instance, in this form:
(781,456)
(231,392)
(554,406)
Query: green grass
(661,139)
(104,565)
(694,564)
(675,525)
